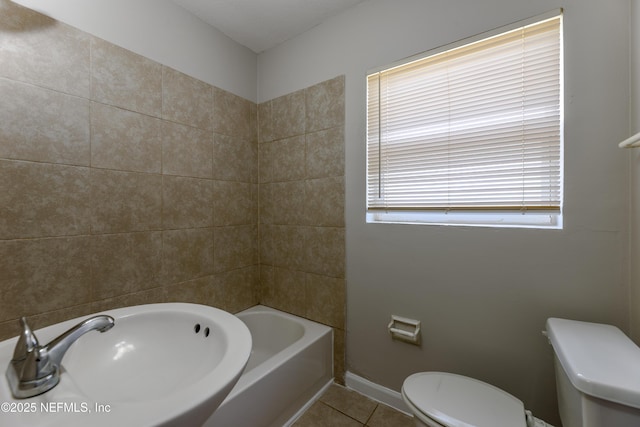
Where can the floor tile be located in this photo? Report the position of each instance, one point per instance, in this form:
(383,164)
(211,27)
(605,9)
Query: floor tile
(322,415)
(385,416)
(349,402)
(342,407)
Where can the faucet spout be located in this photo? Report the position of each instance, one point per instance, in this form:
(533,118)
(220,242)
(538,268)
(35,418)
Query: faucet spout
(57,348)
(35,369)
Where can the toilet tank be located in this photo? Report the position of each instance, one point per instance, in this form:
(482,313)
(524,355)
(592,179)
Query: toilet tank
(597,374)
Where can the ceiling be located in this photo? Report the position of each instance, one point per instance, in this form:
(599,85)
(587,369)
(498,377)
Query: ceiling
(263,24)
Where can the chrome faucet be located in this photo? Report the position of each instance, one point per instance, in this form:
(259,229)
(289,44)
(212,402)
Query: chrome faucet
(35,369)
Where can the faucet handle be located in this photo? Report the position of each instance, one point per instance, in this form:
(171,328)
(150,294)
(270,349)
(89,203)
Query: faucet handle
(38,367)
(27,341)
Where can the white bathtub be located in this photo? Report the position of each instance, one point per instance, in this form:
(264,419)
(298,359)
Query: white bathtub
(291,362)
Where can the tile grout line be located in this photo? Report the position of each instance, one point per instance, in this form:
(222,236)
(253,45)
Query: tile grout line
(371,415)
(364,424)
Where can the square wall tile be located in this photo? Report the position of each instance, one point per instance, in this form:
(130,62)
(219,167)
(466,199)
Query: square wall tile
(39,50)
(186,100)
(187,254)
(233,203)
(186,202)
(265,122)
(238,288)
(288,115)
(325,153)
(125,140)
(287,159)
(234,116)
(43,125)
(286,204)
(149,296)
(196,291)
(287,291)
(235,247)
(186,151)
(339,352)
(125,79)
(325,251)
(289,246)
(42,199)
(325,297)
(325,105)
(324,202)
(125,201)
(268,235)
(40,275)
(265,274)
(234,158)
(125,263)
(265,159)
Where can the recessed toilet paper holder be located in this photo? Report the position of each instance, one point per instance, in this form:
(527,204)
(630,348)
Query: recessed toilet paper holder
(404,329)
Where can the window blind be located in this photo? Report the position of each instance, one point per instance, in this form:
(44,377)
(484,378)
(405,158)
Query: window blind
(476,127)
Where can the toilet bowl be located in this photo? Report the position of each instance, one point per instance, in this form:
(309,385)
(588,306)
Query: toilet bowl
(597,378)
(439,399)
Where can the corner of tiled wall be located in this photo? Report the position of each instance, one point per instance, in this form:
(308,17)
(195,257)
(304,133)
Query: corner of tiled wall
(123,181)
(302,226)
(127,182)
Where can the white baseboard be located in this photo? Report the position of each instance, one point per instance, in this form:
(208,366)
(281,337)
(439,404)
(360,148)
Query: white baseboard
(376,392)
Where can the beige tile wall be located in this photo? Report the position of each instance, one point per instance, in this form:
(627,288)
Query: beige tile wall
(124,182)
(302,228)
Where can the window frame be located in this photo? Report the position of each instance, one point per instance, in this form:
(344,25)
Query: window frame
(482,216)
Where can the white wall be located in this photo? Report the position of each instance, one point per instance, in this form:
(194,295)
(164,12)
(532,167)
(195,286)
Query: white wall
(164,32)
(634,168)
(482,294)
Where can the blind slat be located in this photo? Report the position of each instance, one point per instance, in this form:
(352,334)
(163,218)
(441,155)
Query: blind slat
(475,127)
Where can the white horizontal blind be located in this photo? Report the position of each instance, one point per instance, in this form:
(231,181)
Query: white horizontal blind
(477,127)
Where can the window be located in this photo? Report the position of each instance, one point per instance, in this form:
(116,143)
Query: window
(472,133)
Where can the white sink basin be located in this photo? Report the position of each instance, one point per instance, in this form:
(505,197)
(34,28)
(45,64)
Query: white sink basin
(161,364)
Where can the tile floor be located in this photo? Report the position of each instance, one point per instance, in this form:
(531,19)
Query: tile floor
(341,407)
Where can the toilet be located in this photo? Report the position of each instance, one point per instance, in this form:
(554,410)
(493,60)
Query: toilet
(597,379)
(440,399)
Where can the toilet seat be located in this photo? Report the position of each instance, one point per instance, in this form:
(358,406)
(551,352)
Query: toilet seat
(457,401)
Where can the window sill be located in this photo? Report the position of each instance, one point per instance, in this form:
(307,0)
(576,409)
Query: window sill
(541,220)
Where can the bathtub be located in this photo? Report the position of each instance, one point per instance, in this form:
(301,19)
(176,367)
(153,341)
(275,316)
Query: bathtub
(291,362)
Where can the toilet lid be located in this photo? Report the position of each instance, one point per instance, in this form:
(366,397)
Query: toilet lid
(458,401)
